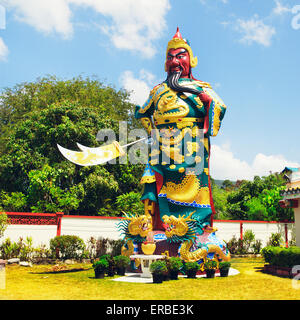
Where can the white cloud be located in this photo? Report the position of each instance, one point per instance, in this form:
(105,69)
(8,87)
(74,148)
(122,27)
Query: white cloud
(140,87)
(131,25)
(45,16)
(280,9)
(3,50)
(255,30)
(225,165)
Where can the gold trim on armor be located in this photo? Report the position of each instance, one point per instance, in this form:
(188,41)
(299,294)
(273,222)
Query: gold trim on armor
(148,179)
(179,120)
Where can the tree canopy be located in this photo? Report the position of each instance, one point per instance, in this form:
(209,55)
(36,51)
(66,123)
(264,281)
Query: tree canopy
(252,200)
(36,116)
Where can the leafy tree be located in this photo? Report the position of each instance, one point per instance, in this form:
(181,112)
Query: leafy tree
(34,117)
(130,203)
(258,200)
(220,202)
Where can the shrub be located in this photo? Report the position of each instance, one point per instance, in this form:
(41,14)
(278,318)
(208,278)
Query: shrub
(175,264)
(9,249)
(248,239)
(281,257)
(101,265)
(224,265)
(275,240)
(158,267)
(210,264)
(67,247)
(191,266)
(101,246)
(122,261)
(256,246)
(116,246)
(233,245)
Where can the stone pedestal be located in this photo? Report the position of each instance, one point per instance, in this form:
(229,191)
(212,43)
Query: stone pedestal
(146,261)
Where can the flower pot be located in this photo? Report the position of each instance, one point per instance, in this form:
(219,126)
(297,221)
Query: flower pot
(148,248)
(210,273)
(157,278)
(110,273)
(173,275)
(121,271)
(224,272)
(191,274)
(99,274)
(166,277)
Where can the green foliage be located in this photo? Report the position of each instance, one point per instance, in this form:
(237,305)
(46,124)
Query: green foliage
(22,249)
(210,264)
(258,200)
(248,239)
(9,249)
(175,264)
(122,261)
(158,267)
(233,245)
(13,201)
(130,203)
(116,246)
(256,246)
(101,265)
(224,265)
(3,223)
(280,256)
(256,210)
(67,247)
(44,195)
(220,202)
(246,245)
(34,176)
(275,240)
(193,266)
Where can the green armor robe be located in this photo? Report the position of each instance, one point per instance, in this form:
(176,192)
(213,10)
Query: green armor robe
(182,188)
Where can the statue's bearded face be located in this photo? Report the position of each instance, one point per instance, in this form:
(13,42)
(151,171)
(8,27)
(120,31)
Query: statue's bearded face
(178,66)
(178,60)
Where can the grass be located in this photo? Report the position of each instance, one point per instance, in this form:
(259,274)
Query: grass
(40,283)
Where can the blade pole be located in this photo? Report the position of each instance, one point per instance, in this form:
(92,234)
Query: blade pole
(134,142)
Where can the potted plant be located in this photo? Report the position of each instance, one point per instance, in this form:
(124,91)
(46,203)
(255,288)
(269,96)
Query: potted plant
(121,263)
(100,267)
(224,267)
(175,264)
(191,269)
(111,264)
(158,269)
(210,268)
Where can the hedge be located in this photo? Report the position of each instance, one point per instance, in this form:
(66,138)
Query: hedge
(281,257)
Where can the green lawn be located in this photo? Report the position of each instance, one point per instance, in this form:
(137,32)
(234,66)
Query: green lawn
(35,283)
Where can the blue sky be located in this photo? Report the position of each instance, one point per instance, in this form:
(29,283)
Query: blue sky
(248,50)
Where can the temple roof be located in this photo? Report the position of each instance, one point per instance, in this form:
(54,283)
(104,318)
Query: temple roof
(291,191)
(292,176)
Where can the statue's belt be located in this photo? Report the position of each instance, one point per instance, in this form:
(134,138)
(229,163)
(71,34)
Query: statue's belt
(178,120)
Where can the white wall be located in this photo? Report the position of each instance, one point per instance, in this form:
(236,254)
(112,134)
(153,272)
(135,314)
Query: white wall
(106,227)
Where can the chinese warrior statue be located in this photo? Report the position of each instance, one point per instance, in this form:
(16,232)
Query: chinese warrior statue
(181,114)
